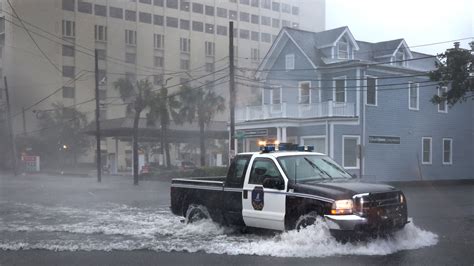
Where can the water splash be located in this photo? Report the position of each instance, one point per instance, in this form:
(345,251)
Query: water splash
(120,227)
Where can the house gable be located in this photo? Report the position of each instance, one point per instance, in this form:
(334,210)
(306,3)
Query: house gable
(275,53)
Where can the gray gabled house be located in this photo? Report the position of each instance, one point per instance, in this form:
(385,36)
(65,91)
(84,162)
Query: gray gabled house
(365,104)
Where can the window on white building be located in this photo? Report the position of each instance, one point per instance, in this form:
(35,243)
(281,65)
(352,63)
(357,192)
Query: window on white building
(131,58)
(159,61)
(371,91)
(130,37)
(209,67)
(413,96)
(255,54)
(158,41)
(100,33)
(447,151)
(184,64)
(304,92)
(185,45)
(290,62)
(426,150)
(69,28)
(350,151)
(210,48)
(442,106)
(68,92)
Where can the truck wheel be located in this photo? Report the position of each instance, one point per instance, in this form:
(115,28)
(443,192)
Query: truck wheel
(306,220)
(196,213)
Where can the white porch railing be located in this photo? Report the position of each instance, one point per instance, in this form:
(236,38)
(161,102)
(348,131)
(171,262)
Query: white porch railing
(285,110)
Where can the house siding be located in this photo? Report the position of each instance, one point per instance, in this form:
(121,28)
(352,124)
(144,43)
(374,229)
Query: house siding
(391,116)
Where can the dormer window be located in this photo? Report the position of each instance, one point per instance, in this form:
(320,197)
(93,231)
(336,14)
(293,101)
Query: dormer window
(399,58)
(342,49)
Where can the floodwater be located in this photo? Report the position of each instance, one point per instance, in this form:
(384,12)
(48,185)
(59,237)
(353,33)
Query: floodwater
(112,226)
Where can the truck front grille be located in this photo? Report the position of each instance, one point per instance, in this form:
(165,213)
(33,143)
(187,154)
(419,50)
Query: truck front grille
(367,204)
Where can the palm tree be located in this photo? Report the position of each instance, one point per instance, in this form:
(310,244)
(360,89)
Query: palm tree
(200,105)
(137,97)
(163,108)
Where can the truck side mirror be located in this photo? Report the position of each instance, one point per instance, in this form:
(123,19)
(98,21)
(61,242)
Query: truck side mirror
(274,183)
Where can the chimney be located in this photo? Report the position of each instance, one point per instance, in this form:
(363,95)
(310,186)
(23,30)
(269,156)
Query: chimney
(456,45)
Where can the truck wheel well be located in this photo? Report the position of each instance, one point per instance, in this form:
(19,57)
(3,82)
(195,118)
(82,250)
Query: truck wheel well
(305,209)
(187,201)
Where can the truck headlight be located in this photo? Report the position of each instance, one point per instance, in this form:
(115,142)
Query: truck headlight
(342,207)
(402,198)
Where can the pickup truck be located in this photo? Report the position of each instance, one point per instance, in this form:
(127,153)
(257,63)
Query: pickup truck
(285,190)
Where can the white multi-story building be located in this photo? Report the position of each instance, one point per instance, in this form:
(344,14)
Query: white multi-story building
(155,39)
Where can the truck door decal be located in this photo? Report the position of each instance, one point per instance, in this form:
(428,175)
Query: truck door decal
(257,198)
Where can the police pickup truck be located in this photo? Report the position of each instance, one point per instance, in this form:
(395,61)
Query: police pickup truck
(285,190)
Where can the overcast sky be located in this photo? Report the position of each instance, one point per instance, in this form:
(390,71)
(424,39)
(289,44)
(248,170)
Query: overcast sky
(419,22)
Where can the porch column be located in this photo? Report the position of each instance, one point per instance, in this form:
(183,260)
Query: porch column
(283,134)
(279,134)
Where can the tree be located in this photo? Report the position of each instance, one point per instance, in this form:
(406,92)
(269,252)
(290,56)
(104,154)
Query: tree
(200,105)
(137,97)
(60,138)
(163,108)
(454,69)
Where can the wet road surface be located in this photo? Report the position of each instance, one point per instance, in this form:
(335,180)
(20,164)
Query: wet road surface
(47,220)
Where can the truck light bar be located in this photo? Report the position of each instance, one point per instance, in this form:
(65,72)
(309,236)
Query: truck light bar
(265,148)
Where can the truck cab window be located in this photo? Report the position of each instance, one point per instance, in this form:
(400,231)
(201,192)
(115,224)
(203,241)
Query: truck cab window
(237,171)
(261,169)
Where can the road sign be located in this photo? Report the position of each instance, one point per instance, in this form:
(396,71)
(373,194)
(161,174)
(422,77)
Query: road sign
(384,139)
(252,133)
(31,163)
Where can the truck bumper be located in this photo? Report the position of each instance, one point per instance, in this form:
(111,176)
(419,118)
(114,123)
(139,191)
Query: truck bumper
(344,222)
(357,224)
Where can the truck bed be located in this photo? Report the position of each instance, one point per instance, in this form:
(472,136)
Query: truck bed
(199,190)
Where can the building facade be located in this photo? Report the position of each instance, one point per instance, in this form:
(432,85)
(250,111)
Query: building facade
(176,40)
(367,105)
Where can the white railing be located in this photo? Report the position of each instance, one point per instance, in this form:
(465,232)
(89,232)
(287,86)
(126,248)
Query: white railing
(285,110)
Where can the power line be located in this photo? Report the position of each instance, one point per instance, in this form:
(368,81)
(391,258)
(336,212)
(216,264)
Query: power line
(181,92)
(338,66)
(49,95)
(117,60)
(388,49)
(378,90)
(302,79)
(33,39)
(50,127)
(333,87)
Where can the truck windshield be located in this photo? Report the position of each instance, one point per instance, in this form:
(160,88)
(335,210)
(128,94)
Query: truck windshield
(303,168)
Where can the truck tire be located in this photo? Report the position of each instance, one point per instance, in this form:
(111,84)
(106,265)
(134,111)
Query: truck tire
(196,213)
(306,220)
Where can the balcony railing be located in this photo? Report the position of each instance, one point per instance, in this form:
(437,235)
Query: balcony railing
(285,110)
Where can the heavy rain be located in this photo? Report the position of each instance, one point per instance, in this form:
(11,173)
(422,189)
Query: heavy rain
(242,132)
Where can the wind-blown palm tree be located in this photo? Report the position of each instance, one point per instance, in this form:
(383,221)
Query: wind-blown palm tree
(200,105)
(163,108)
(137,97)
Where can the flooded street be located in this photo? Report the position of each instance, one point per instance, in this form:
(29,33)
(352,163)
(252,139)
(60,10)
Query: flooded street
(123,217)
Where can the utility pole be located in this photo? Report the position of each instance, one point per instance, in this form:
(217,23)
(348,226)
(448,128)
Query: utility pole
(24,120)
(10,126)
(232,147)
(97,118)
